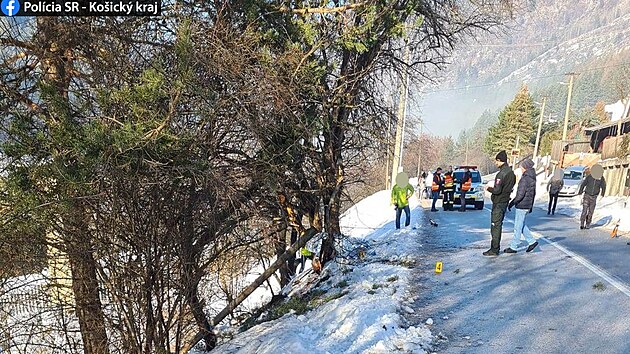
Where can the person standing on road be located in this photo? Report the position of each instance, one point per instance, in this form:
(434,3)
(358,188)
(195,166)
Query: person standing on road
(428,180)
(422,185)
(524,202)
(592,185)
(436,187)
(503,185)
(465,185)
(554,187)
(401,192)
(449,191)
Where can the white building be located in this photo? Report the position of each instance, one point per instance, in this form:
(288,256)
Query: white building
(618,109)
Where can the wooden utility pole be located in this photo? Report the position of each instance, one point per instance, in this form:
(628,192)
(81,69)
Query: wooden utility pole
(387,147)
(400,124)
(419,150)
(466,151)
(542,114)
(566,113)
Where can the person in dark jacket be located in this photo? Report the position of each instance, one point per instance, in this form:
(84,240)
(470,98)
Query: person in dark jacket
(592,185)
(436,187)
(554,187)
(524,202)
(503,185)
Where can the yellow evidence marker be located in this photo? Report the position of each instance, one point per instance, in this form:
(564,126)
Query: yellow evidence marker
(438,267)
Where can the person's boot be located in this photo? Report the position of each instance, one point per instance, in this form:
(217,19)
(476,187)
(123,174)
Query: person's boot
(509,250)
(548,212)
(490,253)
(531,247)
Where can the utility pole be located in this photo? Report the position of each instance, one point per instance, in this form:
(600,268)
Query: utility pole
(419,150)
(400,124)
(387,147)
(542,114)
(566,113)
(518,138)
(624,115)
(466,150)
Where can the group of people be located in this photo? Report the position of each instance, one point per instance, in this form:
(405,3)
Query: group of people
(523,202)
(505,180)
(593,185)
(446,184)
(402,191)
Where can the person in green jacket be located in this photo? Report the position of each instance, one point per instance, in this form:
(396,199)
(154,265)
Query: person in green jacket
(401,192)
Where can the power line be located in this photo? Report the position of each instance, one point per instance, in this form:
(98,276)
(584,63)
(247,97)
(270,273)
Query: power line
(518,81)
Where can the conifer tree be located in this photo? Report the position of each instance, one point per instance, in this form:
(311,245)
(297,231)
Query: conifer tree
(516,119)
(449,151)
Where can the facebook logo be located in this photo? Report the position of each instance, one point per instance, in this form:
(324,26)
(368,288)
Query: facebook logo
(10,7)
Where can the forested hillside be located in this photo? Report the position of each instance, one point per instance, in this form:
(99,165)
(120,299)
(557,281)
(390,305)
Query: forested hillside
(544,41)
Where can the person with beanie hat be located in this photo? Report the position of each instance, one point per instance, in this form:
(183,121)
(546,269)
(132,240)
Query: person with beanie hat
(527,164)
(524,202)
(501,156)
(501,190)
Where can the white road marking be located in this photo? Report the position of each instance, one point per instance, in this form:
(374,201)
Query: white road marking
(592,267)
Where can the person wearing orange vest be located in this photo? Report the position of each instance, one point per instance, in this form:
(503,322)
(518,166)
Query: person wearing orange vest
(465,185)
(449,191)
(436,187)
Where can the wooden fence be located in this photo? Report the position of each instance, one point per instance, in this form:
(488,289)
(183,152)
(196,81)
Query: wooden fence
(612,147)
(580,159)
(561,147)
(617,175)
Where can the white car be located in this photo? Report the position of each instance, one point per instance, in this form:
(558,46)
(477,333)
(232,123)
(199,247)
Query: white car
(573,177)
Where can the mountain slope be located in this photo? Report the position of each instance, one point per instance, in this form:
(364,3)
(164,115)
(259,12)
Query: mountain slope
(543,42)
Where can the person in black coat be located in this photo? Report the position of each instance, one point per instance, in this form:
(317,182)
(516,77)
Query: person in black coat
(503,184)
(593,185)
(524,202)
(554,187)
(436,187)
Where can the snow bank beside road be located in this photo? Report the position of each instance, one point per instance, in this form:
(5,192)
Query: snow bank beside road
(362,300)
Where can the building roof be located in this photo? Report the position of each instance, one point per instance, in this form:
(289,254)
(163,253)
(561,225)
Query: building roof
(606,125)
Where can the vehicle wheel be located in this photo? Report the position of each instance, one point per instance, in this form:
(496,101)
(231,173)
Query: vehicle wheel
(478,205)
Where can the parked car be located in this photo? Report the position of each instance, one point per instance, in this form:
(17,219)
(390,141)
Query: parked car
(573,177)
(475,196)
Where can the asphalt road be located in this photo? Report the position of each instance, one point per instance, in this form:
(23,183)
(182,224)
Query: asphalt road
(570,295)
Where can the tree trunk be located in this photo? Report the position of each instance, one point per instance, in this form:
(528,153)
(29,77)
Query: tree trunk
(56,64)
(291,260)
(191,272)
(334,178)
(85,284)
(281,247)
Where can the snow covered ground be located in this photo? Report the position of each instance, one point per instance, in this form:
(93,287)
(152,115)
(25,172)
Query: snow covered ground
(360,301)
